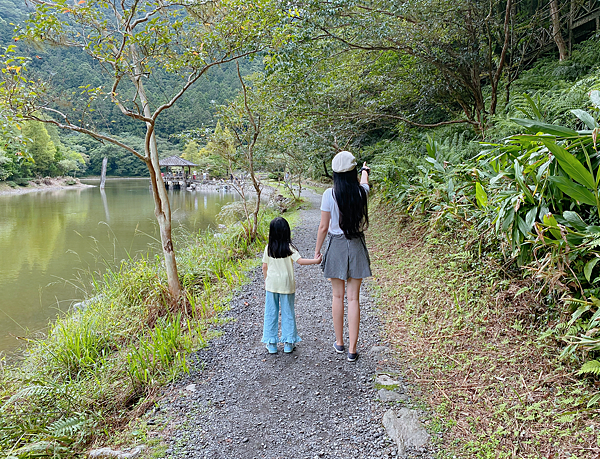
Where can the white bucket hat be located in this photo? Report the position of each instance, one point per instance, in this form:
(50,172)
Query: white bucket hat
(344,161)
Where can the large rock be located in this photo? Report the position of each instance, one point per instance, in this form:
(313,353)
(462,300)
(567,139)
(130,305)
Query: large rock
(403,426)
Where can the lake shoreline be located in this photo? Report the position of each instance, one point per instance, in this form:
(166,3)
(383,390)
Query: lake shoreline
(47,184)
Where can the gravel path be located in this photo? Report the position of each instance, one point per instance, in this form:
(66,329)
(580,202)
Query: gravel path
(239,402)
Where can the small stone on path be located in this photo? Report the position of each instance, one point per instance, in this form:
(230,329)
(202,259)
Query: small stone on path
(391,396)
(385,380)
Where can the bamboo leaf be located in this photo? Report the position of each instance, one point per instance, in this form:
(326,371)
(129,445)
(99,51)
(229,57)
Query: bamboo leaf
(551,223)
(522,226)
(595,98)
(574,220)
(530,217)
(586,118)
(481,195)
(571,165)
(580,193)
(539,126)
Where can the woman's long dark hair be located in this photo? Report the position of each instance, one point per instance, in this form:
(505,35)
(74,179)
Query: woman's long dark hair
(280,239)
(351,199)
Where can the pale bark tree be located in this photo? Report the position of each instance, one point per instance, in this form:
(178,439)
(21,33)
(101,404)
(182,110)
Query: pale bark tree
(133,40)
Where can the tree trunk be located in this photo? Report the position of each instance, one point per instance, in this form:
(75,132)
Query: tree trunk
(495,78)
(162,207)
(326,171)
(563,52)
(103,173)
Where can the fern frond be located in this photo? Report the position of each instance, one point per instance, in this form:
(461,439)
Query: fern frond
(36,390)
(590,367)
(67,426)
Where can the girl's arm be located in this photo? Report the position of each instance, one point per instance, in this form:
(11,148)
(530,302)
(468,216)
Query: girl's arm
(310,261)
(322,232)
(264,269)
(364,176)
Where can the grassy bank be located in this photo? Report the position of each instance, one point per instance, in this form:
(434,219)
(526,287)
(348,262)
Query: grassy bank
(472,338)
(104,365)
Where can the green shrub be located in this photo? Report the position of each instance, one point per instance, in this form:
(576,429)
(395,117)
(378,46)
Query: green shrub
(12,184)
(22,182)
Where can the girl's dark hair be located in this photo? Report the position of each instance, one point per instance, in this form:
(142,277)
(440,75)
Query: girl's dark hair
(280,239)
(351,199)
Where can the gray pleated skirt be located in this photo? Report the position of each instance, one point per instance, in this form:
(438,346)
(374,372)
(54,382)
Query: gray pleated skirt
(346,258)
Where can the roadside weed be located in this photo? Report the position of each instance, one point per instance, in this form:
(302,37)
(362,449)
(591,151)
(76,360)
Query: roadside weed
(470,339)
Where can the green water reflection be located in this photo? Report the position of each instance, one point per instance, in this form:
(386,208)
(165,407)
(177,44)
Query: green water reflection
(48,237)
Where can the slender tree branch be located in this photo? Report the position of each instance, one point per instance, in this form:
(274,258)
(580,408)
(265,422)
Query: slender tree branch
(72,127)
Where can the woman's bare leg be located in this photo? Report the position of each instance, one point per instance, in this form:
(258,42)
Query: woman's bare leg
(337,309)
(353,293)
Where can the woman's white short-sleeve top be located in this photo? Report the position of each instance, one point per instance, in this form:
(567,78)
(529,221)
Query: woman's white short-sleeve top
(328,204)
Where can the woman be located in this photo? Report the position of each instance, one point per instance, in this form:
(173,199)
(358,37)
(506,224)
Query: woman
(346,262)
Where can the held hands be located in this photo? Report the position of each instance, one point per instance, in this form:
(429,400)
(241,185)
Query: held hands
(318,258)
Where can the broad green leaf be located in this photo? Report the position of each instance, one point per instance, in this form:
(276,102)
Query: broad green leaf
(595,98)
(579,193)
(523,226)
(481,195)
(530,217)
(571,165)
(538,126)
(587,119)
(521,182)
(450,189)
(589,267)
(574,220)
(509,219)
(534,107)
(551,223)
(435,164)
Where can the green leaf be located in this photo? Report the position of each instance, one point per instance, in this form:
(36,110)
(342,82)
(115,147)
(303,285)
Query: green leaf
(579,193)
(521,182)
(530,217)
(435,164)
(587,119)
(595,98)
(508,220)
(538,126)
(574,220)
(589,267)
(551,223)
(571,165)
(481,195)
(522,226)
(591,366)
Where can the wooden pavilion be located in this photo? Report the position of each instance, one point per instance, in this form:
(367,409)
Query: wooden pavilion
(178,171)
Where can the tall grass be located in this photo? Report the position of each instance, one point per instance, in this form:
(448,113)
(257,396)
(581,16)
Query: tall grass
(101,365)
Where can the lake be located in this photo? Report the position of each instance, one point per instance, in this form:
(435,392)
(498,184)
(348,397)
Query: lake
(49,239)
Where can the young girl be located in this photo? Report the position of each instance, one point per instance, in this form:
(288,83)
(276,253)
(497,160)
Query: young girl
(280,286)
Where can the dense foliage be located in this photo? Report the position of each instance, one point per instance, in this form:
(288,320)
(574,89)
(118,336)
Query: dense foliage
(470,120)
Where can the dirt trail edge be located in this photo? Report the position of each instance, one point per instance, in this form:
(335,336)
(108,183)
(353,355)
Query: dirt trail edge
(239,402)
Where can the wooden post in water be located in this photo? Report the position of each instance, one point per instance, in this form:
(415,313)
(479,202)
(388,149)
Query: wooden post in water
(103,174)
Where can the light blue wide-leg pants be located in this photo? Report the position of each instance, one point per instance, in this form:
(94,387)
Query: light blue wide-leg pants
(289,331)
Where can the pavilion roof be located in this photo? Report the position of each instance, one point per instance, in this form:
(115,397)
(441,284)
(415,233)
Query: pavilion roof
(175,161)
